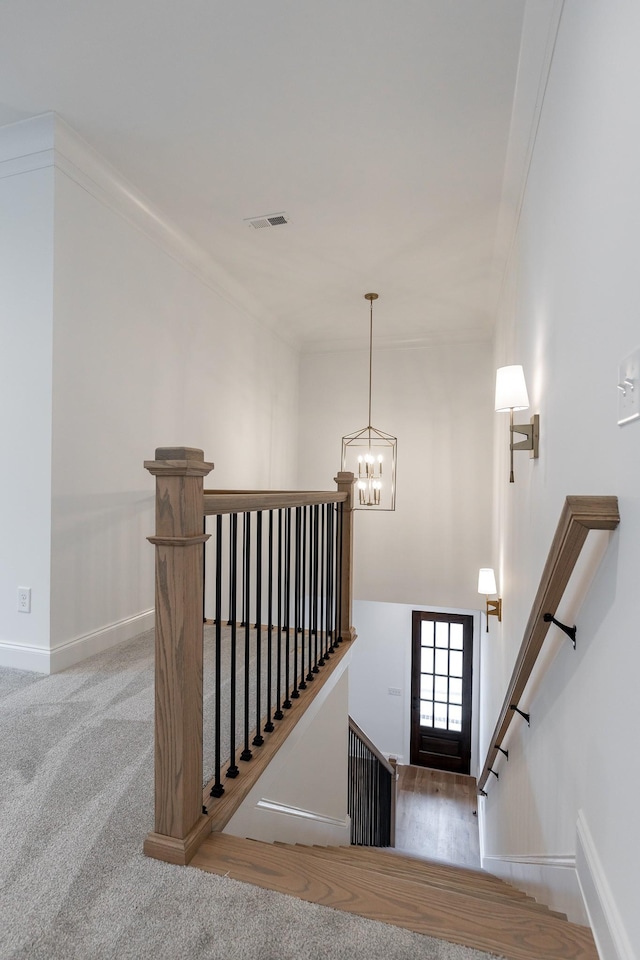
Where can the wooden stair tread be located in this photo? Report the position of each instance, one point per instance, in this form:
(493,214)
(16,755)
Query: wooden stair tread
(426,864)
(430,871)
(507,929)
(472,887)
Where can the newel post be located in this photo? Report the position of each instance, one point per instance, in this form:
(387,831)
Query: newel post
(179,820)
(345,482)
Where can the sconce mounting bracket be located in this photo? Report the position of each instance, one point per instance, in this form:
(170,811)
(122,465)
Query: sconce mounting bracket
(531,431)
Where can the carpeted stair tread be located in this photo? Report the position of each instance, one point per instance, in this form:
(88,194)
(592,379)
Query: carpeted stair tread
(507,929)
(473,886)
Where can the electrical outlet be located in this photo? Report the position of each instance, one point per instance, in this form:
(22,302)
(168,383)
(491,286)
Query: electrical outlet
(24,599)
(395,692)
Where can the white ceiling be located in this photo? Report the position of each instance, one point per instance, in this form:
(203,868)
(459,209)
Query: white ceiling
(379,127)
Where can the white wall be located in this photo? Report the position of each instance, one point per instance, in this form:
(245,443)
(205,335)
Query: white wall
(302,795)
(148,350)
(437,401)
(381,660)
(26,319)
(570,314)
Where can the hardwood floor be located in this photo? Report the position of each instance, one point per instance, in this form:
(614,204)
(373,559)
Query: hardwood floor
(435,815)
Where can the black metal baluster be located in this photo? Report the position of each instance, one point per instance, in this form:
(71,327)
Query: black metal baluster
(327,602)
(204,571)
(339,574)
(246,622)
(315,667)
(268,727)
(287,606)
(244,569)
(322,597)
(303,683)
(258,739)
(332,576)
(233,536)
(296,606)
(310,676)
(231,582)
(217,789)
(278,715)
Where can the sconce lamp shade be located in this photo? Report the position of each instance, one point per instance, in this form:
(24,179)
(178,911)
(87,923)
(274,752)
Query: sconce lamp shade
(486,581)
(511,389)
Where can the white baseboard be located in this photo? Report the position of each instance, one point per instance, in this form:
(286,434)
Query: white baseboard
(552,880)
(45,660)
(20,656)
(279,821)
(608,930)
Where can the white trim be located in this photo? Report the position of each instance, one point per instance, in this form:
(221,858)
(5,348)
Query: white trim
(548,860)
(549,878)
(74,651)
(540,30)
(16,166)
(21,656)
(274,807)
(428,339)
(24,138)
(608,929)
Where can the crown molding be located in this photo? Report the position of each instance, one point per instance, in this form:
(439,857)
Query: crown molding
(540,28)
(48,141)
(431,339)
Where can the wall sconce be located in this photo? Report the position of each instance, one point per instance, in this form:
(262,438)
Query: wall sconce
(487,585)
(511,394)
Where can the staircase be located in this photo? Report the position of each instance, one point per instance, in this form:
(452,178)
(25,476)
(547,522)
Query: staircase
(463,906)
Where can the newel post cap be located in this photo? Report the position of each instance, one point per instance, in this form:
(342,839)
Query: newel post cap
(179,462)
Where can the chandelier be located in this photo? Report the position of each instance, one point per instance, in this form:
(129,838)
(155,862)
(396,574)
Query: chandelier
(370,453)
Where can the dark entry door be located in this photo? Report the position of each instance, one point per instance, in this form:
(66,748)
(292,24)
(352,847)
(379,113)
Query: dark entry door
(441,691)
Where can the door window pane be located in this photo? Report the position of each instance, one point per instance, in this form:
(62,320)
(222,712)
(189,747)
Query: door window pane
(426,687)
(440,716)
(455,718)
(441,689)
(455,666)
(442,634)
(426,660)
(426,713)
(456,636)
(442,662)
(426,633)
(455,690)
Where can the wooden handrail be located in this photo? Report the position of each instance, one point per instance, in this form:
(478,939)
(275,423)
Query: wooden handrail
(579,515)
(359,732)
(245,501)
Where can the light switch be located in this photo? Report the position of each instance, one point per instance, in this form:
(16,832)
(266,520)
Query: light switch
(629,388)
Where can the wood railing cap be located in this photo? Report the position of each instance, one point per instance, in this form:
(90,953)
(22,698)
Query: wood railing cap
(179,462)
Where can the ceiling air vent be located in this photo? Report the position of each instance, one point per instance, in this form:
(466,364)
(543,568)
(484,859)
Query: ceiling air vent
(272,220)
